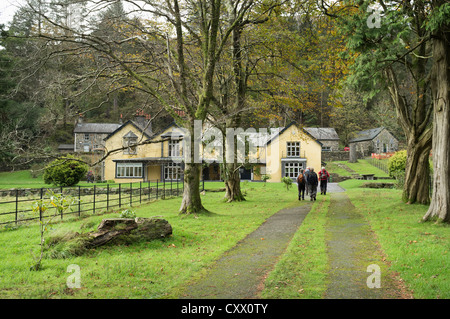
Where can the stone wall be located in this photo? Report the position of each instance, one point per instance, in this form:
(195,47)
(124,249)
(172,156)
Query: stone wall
(339,156)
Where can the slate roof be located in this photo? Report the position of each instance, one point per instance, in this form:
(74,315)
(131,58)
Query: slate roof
(282,129)
(147,132)
(323,133)
(366,135)
(99,128)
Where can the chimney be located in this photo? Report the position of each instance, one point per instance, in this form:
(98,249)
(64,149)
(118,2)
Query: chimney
(80,119)
(143,120)
(120,120)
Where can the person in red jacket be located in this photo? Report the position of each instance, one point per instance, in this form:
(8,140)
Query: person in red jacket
(323,177)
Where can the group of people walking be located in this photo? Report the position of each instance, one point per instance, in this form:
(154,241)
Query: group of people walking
(308,180)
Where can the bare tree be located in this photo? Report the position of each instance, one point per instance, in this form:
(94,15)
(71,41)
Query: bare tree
(165,49)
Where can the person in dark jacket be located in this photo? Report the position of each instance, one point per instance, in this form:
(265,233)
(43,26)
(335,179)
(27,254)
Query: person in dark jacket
(301,183)
(313,181)
(90,177)
(305,175)
(323,177)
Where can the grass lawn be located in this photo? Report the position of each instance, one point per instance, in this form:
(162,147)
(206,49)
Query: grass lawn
(302,271)
(360,167)
(23,179)
(418,252)
(20,179)
(146,269)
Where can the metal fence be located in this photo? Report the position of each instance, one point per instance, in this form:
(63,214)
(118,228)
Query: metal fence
(16,204)
(382,165)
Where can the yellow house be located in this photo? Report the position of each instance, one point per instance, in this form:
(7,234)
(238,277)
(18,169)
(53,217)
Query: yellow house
(287,152)
(280,154)
(160,158)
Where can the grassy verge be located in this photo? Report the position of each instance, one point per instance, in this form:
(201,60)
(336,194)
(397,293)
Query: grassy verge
(145,269)
(360,167)
(302,270)
(418,252)
(23,179)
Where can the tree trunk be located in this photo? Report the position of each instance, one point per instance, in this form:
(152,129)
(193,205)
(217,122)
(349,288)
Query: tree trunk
(231,174)
(417,171)
(440,202)
(352,153)
(233,183)
(192,203)
(414,119)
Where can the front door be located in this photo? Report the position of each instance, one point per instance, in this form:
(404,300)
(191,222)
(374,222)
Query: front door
(245,174)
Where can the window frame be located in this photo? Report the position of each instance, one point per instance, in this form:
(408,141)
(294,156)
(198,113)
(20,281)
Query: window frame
(293,149)
(174,148)
(172,170)
(292,169)
(129,170)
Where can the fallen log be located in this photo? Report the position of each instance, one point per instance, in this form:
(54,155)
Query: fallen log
(129,230)
(112,230)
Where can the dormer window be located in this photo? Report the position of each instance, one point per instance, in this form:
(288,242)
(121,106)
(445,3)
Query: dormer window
(130,141)
(174,148)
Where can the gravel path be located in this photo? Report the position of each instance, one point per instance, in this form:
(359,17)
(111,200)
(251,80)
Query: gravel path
(352,248)
(240,272)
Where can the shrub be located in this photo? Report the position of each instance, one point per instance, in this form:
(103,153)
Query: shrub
(65,171)
(397,163)
(287,181)
(127,213)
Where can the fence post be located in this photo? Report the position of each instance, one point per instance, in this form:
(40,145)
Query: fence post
(107,197)
(17,203)
(131,194)
(79,201)
(93,208)
(164,189)
(40,210)
(149,190)
(156,188)
(120,196)
(140,192)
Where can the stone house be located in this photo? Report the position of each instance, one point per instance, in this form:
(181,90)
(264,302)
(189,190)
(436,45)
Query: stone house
(377,140)
(327,136)
(89,137)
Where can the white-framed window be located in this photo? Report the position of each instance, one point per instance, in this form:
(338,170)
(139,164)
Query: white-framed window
(87,137)
(172,171)
(292,169)
(174,148)
(293,149)
(129,170)
(326,148)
